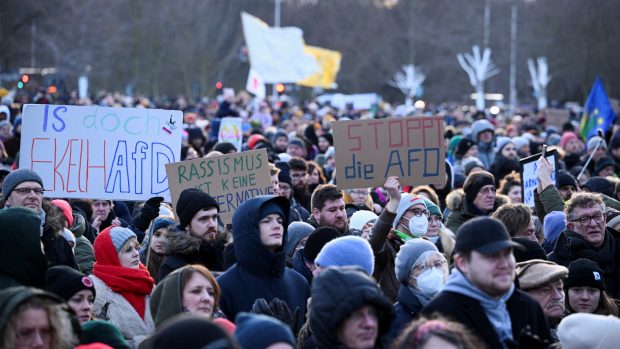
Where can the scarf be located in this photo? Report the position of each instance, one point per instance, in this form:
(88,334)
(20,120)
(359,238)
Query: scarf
(580,248)
(133,284)
(299,265)
(423,297)
(495,309)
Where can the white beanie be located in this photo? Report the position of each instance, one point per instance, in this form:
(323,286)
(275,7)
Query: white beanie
(589,331)
(406,201)
(361,217)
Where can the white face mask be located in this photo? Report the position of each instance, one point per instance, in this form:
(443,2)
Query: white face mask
(418,225)
(431,280)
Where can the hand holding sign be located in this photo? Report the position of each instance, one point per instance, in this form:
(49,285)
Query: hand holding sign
(544,172)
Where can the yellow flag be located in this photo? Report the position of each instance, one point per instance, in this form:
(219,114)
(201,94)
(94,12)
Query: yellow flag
(329,64)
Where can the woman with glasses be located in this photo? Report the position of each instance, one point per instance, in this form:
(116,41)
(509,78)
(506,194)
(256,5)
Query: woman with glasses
(361,196)
(422,272)
(437,233)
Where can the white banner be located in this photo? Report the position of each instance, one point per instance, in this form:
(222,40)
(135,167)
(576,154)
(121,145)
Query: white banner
(101,153)
(255,84)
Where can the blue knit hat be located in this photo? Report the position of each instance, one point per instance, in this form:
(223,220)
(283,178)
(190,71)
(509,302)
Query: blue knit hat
(553,225)
(260,331)
(17,177)
(347,251)
(408,255)
(120,235)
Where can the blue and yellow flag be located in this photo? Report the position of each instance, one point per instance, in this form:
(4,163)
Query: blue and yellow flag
(597,113)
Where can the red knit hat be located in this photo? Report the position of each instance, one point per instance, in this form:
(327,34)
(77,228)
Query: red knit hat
(67,211)
(567,137)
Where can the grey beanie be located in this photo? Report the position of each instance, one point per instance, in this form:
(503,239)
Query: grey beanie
(18,176)
(296,232)
(406,202)
(120,235)
(409,254)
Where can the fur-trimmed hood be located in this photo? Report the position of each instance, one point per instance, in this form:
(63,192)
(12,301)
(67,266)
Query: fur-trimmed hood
(54,219)
(179,241)
(454,200)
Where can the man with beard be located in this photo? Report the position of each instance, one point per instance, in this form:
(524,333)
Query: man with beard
(586,236)
(299,174)
(542,280)
(328,209)
(480,292)
(280,141)
(506,159)
(24,188)
(197,239)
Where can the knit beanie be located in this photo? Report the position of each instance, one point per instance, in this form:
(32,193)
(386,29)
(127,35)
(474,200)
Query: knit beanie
(600,185)
(285,177)
(255,139)
(406,202)
(296,232)
(537,272)
(190,202)
(191,332)
(317,239)
(99,331)
(471,163)
(298,142)
(553,225)
(520,142)
(502,142)
(584,272)
(259,331)
(120,235)
(347,251)
(17,177)
(454,142)
(432,208)
(463,146)
(585,331)
(408,255)
(566,179)
(360,218)
(66,209)
(226,325)
(225,147)
(567,137)
(270,207)
(592,142)
(614,143)
(602,163)
(65,281)
(474,182)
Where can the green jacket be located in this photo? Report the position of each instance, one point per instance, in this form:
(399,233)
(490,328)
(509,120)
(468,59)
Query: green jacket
(84,252)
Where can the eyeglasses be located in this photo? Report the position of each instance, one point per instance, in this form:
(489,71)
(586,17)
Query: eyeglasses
(418,212)
(25,191)
(598,218)
(424,267)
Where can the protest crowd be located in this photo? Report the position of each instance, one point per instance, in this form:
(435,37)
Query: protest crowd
(466,262)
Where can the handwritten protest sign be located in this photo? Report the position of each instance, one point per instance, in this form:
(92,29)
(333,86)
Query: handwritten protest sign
(529,181)
(231,179)
(230,131)
(99,152)
(369,151)
(556,117)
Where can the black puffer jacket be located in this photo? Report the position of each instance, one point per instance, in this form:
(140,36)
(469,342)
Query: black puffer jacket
(336,294)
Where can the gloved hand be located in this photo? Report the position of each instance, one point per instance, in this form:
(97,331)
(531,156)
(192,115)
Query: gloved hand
(278,309)
(147,213)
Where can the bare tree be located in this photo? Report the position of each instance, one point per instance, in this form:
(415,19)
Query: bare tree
(479,68)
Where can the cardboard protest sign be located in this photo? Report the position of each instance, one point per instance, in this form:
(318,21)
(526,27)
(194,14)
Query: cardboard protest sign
(529,168)
(556,117)
(99,152)
(230,131)
(369,151)
(231,179)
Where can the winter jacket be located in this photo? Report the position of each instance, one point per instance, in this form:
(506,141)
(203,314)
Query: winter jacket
(21,260)
(460,210)
(336,294)
(547,201)
(406,310)
(113,307)
(84,252)
(502,166)
(183,249)
(57,249)
(524,311)
(385,246)
(571,246)
(259,272)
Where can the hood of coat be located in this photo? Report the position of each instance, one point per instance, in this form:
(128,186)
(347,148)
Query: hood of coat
(166,300)
(338,292)
(11,298)
(249,250)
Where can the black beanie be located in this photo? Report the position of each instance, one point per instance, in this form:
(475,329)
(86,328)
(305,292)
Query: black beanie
(532,250)
(225,147)
(602,163)
(190,202)
(584,272)
(463,146)
(474,182)
(317,239)
(191,332)
(600,185)
(65,281)
(285,177)
(566,179)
